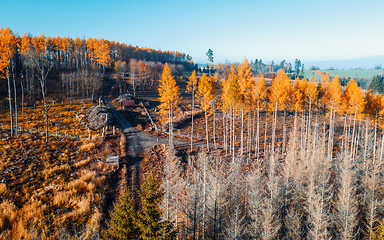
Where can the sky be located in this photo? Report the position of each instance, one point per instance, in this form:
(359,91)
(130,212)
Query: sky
(269,30)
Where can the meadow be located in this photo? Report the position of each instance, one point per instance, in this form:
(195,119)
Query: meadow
(344,73)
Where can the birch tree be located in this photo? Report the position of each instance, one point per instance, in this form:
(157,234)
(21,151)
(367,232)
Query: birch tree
(43,66)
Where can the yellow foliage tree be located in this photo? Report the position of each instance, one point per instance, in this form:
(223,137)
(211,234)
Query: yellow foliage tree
(353,99)
(332,96)
(311,93)
(8,46)
(206,90)
(191,87)
(332,99)
(300,96)
(231,99)
(279,94)
(373,104)
(169,97)
(103,53)
(259,92)
(246,80)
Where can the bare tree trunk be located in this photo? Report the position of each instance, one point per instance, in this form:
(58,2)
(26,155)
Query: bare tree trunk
(230,129)
(225,133)
(249,135)
(274,129)
(258,132)
(265,134)
(10,101)
(214,125)
(284,133)
(15,97)
(22,98)
(206,124)
(233,132)
(330,137)
(193,108)
(242,132)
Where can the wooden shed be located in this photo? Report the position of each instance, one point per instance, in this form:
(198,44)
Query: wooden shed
(128,103)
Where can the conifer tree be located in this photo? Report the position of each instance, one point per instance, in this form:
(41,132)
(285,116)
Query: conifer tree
(377,84)
(227,103)
(191,87)
(259,93)
(245,80)
(102,53)
(312,96)
(353,98)
(122,223)
(373,103)
(149,220)
(169,97)
(233,95)
(332,99)
(7,51)
(279,93)
(206,91)
(300,95)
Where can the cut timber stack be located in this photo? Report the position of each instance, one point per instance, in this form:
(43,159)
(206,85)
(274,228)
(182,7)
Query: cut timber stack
(98,117)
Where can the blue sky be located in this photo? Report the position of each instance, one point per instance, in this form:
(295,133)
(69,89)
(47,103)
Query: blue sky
(271,30)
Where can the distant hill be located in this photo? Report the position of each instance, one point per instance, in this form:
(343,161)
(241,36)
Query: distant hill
(364,63)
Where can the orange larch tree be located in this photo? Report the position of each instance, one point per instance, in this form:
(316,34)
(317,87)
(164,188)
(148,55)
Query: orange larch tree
(259,93)
(169,97)
(205,93)
(246,80)
(353,99)
(191,87)
(332,99)
(373,104)
(8,46)
(103,53)
(25,51)
(353,104)
(232,99)
(311,94)
(279,93)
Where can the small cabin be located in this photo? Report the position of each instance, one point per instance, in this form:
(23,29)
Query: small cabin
(112,161)
(128,103)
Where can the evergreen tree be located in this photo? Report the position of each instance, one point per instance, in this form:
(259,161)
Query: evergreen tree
(377,84)
(210,58)
(149,220)
(122,219)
